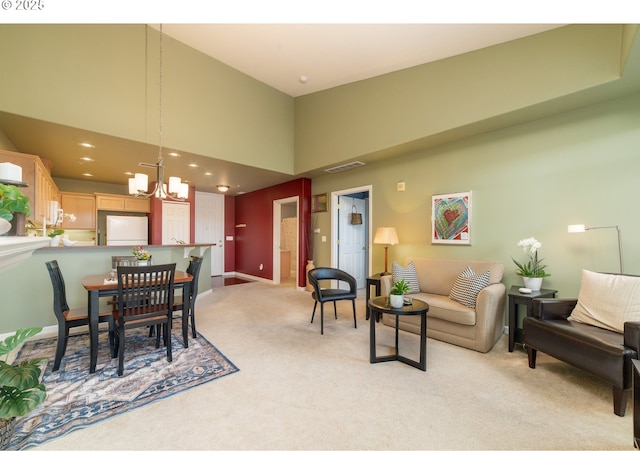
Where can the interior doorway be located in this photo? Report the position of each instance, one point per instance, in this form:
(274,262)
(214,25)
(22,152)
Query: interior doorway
(352,241)
(285,241)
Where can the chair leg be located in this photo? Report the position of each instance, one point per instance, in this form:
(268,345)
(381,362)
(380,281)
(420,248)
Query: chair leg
(121,346)
(112,345)
(167,334)
(355,324)
(322,318)
(315,304)
(61,346)
(335,310)
(157,335)
(193,319)
(620,397)
(531,353)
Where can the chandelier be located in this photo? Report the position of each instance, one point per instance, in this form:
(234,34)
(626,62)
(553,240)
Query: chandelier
(139,183)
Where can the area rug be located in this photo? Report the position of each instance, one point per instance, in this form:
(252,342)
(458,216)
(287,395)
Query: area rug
(77,399)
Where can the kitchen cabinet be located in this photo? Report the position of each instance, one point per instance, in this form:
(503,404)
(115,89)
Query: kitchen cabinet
(115,202)
(40,186)
(83,206)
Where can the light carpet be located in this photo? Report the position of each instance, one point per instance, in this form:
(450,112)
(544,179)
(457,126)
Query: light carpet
(302,390)
(77,399)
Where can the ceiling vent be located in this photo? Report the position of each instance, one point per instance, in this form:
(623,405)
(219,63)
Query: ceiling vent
(345,167)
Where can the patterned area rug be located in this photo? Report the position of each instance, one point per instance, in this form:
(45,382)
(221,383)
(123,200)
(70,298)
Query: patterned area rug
(77,399)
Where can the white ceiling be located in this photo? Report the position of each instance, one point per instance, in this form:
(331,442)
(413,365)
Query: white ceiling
(331,55)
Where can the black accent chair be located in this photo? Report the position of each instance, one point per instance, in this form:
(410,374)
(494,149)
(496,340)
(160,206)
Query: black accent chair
(194,269)
(145,299)
(331,294)
(604,353)
(68,318)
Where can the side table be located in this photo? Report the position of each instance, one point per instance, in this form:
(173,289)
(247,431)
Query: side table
(372,281)
(516,299)
(379,305)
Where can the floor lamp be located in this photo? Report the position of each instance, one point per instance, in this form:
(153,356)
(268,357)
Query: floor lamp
(386,236)
(578,228)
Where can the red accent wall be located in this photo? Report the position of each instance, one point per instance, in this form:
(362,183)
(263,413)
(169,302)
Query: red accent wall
(254,243)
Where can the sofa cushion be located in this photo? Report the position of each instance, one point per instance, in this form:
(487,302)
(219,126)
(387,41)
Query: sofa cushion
(446,309)
(467,286)
(607,300)
(437,275)
(408,273)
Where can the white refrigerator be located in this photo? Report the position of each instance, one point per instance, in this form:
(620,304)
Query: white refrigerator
(127,230)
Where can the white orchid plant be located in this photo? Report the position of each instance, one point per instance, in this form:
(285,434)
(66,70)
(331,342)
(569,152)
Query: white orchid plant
(533,267)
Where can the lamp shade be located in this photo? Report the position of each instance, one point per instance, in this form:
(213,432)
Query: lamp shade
(386,235)
(576,228)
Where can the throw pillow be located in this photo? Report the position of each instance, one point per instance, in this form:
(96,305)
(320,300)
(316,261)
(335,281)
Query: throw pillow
(467,286)
(408,273)
(607,300)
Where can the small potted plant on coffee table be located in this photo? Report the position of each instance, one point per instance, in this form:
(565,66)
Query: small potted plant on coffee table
(396,295)
(20,388)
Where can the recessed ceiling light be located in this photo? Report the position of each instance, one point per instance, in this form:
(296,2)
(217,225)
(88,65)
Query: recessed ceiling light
(86,174)
(173,154)
(208,173)
(87,145)
(193,165)
(128,173)
(87,159)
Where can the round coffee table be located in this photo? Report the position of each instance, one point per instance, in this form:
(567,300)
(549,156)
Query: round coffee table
(380,304)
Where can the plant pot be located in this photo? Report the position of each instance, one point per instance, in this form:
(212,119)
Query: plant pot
(534,283)
(18,225)
(55,241)
(142,262)
(6,431)
(309,267)
(396,300)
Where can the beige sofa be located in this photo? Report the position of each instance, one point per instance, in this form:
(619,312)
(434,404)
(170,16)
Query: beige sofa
(448,320)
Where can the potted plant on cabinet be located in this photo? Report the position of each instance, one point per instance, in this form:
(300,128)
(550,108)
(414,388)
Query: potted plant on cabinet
(396,295)
(20,388)
(15,208)
(55,235)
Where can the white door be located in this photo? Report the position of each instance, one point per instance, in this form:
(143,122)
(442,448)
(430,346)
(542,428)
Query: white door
(209,217)
(352,239)
(176,222)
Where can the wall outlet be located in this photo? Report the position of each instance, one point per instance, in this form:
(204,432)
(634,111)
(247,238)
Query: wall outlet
(261,266)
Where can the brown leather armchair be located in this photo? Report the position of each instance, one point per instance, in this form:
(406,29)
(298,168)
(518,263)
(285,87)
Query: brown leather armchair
(604,353)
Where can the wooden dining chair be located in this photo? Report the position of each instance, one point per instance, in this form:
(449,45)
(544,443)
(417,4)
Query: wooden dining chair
(194,269)
(145,299)
(68,318)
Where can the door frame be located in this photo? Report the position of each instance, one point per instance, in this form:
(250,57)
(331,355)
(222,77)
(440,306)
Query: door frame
(366,218)
(277,218)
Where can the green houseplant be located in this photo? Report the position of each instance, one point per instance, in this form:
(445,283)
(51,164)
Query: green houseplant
(396,294)
(15,208)
(20,388)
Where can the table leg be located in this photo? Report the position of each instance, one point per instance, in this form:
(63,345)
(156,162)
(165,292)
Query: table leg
(93,330)
(397,324)
(512,323)
(186,311)
(423,342)
(372,338)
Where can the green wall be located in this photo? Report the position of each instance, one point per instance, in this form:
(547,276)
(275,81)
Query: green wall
(27,294)
(528,180)
(105,78)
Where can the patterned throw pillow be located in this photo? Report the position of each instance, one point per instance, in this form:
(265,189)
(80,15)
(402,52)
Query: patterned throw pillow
(467,286)
(408,273)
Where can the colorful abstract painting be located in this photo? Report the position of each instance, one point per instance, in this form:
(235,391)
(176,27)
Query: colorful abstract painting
(451,218)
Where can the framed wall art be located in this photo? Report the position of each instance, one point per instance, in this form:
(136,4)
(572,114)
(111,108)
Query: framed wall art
(451,218)
(319,203)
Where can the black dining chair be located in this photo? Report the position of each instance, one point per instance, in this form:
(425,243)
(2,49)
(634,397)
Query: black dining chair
(68,318)
(145,299)
(178,304)
(332,294)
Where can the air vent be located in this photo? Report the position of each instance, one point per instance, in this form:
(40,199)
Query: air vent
(345,167)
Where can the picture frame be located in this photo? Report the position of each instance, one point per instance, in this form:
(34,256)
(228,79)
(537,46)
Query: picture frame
(451,218)
(319,203)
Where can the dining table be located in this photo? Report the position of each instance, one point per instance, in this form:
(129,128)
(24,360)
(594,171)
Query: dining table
(100,285)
